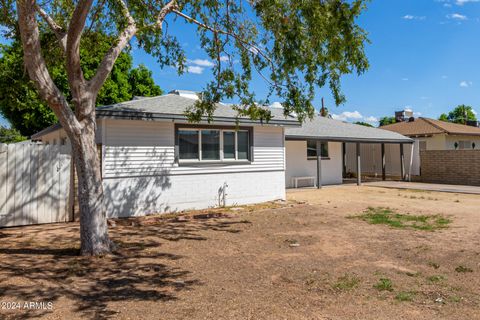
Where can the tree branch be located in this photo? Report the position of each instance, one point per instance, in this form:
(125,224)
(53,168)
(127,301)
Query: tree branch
(111,56)
(37,69)
(250,46)
(74,70)
(169,7)
(57,29)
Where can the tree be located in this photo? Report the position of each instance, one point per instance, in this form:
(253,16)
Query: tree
(28,113)
(10,135)
(387,120)
(443,117)
(361,123)
(460,114)
(297,46)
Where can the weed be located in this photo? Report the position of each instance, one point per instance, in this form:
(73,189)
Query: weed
(384,284)
(405,296)
(434,265)
(393,219)
(435,278)
(347,282)
(463,269)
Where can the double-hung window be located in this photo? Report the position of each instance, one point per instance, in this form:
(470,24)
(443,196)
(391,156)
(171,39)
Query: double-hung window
(213,145)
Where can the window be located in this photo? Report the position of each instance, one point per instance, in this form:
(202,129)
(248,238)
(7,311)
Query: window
(243,145)
(229,145)
(422,145)
(212,145)
(312,149)
(188,144)
(464,145)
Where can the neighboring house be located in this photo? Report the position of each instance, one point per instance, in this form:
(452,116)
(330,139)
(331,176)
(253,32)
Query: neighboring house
(153,160)
(438,135)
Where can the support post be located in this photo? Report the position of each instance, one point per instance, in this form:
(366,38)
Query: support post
(344,160)
(412,148)
(359,165)
(402,162)
(319,165)
(383,163)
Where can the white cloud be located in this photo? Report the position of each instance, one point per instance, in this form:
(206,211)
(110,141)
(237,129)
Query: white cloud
(371,119)
(462,2)
(465,84)
(195,69)
(202,62)
(457,16)
(474,112)
(404,79)
(346,115)
(412,17)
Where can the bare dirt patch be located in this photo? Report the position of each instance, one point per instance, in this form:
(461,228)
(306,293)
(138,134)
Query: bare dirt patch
(274,261)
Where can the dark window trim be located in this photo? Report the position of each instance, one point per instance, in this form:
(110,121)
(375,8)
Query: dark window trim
(179,126)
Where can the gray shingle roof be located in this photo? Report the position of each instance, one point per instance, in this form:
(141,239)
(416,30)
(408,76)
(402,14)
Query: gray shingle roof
(334,130)
(173,106)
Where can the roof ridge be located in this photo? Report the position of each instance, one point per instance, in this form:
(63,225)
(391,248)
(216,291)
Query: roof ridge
(428,120)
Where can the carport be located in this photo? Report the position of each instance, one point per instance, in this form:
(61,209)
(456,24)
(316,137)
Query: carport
(321,134)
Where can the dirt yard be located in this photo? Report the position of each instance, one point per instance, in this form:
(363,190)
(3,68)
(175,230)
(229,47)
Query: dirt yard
(305,259)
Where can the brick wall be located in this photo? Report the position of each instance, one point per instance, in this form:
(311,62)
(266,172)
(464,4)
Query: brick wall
(451,166)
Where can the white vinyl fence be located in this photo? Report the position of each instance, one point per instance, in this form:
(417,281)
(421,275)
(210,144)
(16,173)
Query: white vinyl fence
(34,184)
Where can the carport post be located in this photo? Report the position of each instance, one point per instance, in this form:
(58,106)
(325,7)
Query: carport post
(402,162)
(319,164)
(383,162)
(359,170)
(344,160)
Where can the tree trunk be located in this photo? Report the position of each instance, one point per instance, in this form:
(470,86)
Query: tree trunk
(94,238)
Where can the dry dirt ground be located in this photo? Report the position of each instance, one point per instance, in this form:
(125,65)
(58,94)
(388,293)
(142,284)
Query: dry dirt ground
(298,260)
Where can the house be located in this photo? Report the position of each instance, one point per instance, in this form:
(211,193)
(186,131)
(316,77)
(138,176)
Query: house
(153,160)
(438,135)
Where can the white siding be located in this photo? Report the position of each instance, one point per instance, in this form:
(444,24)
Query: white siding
(138,148)
(298,165)
(141,176)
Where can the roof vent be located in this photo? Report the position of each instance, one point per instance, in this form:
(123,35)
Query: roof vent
(186,94)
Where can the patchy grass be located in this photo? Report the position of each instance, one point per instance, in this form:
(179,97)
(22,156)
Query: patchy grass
(394,219)
(384,284)
(347,282)
(434,265)
(463,269)
(436,278)
(405,296)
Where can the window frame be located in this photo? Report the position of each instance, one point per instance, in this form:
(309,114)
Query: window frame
(315,157)
(221,129)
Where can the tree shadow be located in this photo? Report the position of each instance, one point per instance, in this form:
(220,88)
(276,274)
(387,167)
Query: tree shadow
(41,263)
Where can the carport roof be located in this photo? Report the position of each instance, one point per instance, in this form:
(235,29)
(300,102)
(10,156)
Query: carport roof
(321,128)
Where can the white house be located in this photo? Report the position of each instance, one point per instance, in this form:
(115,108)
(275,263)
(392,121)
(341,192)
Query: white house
(153,160)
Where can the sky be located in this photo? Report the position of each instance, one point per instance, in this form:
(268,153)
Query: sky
(424,56)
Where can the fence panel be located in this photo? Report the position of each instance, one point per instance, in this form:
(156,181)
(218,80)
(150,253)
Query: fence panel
(34,184)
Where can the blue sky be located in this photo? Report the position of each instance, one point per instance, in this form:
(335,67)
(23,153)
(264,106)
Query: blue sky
(424,55)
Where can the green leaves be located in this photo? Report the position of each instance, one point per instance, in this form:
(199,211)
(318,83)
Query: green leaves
(20,103)
(297,47)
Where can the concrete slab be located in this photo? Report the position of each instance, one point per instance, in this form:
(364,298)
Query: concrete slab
(425,186)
